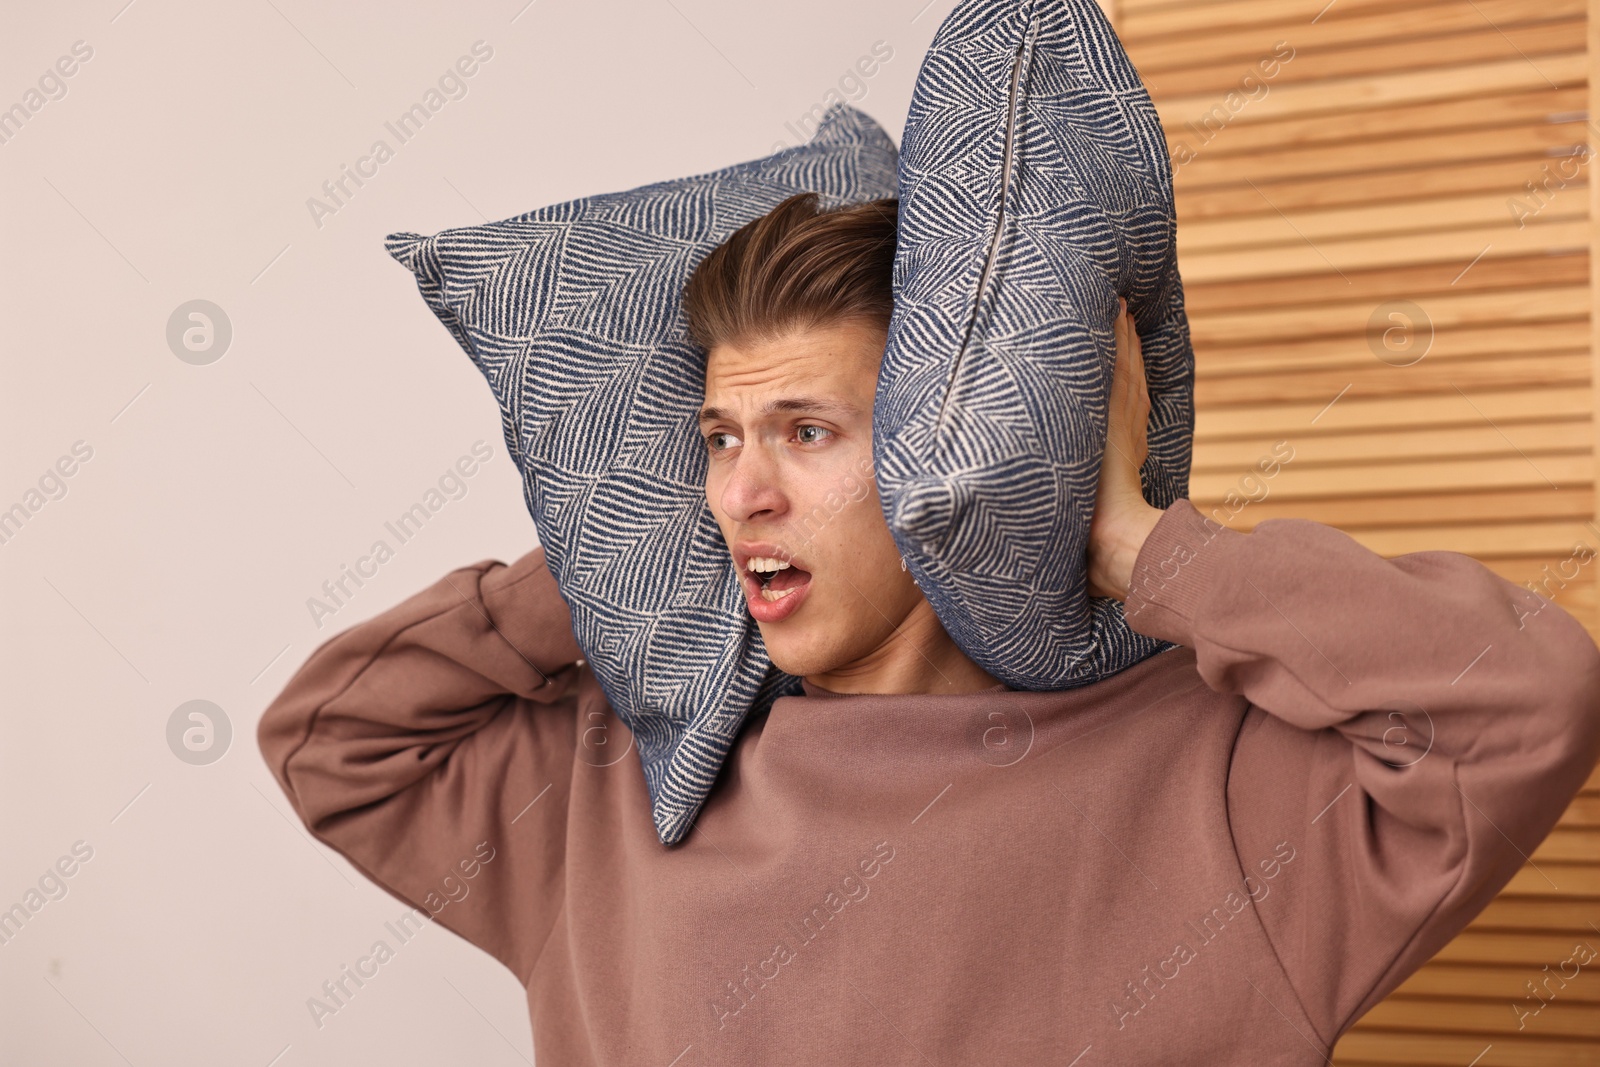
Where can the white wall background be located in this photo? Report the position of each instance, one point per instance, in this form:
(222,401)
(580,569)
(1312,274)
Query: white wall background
(177,166)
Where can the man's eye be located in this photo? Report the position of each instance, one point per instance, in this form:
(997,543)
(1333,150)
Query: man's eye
(719,442)
(810,435)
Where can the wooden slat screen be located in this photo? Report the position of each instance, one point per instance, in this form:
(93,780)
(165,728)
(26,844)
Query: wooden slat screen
(1385,228)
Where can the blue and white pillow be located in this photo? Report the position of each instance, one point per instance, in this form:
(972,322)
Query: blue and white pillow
(1035,188)
(574,314)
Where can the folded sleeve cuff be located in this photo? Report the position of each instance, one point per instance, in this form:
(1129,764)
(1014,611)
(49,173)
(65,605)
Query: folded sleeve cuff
(526,608)
(1174,568)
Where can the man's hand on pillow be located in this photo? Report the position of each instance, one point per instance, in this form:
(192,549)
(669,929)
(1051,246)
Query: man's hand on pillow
(1122,517)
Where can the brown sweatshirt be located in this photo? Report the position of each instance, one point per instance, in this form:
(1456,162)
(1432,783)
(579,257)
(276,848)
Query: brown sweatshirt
(1222,855)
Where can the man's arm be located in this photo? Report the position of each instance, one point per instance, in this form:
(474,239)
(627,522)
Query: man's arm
(415,744)
(1425,724)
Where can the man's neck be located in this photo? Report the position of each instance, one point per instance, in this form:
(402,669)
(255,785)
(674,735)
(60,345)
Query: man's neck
(918,657)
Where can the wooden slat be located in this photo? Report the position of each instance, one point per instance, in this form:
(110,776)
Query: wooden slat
(1263,363)
(1571,881)
(1503,985)
(1496,178)
(1507,113)
(1514,273)
(1459,322)
(1577,919)
(1570,844)
(1457,246)
(1431,216)
(1526,949)
(1474,505)
(1482,440)
(1377,1049)
(1405,87)
(1314,64)
(1560,1018)
(1348,349)
(1508,472)
(1552,151)
(1401,483)
(1144,19)
(1228,48)
(1583,811)
(1553,540)
(1427,377)
(1271,422)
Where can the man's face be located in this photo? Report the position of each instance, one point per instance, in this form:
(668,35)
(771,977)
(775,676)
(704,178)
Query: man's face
(788,429)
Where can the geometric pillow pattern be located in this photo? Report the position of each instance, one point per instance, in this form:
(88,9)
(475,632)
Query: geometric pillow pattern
(1035,188)
(573,313)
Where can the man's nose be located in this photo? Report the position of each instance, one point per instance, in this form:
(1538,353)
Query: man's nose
(753,490)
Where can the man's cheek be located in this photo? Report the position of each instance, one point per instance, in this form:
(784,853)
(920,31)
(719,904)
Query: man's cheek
(856,487)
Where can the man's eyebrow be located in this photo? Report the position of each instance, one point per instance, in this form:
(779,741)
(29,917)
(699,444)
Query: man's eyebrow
(804,405)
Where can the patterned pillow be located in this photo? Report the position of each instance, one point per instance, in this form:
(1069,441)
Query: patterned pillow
(573,313)
(1034,189)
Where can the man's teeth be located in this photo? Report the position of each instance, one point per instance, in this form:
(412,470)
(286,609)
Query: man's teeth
(765,565)
(771,594)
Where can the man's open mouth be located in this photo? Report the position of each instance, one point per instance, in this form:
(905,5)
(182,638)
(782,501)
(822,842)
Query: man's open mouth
(775,584)
(778,578)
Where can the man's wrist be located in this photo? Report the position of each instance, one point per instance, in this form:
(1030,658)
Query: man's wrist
(1128,537)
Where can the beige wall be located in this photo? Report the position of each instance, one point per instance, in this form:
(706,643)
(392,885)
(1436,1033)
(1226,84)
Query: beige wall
(219,497)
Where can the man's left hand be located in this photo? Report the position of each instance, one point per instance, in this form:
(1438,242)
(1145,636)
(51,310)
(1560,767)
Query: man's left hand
(1122,516)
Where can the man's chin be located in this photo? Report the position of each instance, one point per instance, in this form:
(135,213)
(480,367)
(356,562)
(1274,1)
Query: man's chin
(797,657)
(788,663)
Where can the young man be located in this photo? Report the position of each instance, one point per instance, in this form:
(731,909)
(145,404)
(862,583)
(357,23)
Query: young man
(1224,854)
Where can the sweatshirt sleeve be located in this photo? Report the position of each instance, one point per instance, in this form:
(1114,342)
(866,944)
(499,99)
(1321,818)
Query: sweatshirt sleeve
(431,746)
(1415,727)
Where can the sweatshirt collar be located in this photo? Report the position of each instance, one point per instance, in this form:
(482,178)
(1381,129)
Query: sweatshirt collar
(811,690)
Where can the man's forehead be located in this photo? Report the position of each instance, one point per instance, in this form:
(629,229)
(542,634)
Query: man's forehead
(826,366)
(792,360)
(832,359)
(808,404)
